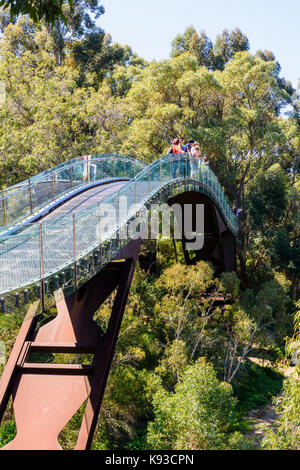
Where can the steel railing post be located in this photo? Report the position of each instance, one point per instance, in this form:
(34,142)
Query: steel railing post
(4,209)
(74,252)
(99,231)
(160,178)
(119,214)
(30,196)
(52,184)
(42,266)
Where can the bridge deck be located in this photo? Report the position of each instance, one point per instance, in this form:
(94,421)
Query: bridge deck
(59,245)
(84,200)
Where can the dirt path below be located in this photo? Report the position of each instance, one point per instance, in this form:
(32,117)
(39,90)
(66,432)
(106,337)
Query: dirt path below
(262,418)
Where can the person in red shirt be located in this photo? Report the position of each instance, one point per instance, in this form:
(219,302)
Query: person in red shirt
(175,150)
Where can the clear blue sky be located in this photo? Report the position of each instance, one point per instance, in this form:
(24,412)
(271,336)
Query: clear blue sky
(149,26)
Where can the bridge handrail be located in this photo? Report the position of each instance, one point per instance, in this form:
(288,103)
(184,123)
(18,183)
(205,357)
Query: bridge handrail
(22,200)
(59,166)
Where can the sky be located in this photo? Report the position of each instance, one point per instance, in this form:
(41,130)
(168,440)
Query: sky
(149,26)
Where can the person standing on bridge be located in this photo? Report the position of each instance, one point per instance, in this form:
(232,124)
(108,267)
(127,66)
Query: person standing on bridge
(203,158)
(235,210)
(175,150)
(189,150)
(195,159)
(189,147)
(184,165)
(183,147)
(200,154)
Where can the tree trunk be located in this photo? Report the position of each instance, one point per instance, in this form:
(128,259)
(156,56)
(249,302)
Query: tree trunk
(294,287)
(242,268)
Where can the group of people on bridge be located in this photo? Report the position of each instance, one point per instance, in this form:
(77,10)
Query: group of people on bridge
(193,150)
(197,157)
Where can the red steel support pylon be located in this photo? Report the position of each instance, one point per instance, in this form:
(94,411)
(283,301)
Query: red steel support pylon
(47,395)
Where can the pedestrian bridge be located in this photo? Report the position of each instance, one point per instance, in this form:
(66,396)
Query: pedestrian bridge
(49,224)
(64,242)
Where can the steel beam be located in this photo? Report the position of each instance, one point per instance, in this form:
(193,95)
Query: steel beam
(47,395)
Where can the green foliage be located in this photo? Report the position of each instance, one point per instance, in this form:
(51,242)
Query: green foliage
(268,198)
(191,417)
(198,45)
(230,285)
(50,10)
(7,432)
(227,45)
(213,56)
(179,306)
(285,434)
(173,363)
(256,386)
(286,254)
(285,247)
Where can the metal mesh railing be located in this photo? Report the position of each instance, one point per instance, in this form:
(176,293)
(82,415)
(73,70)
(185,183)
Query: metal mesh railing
(64,252)
(40,250)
